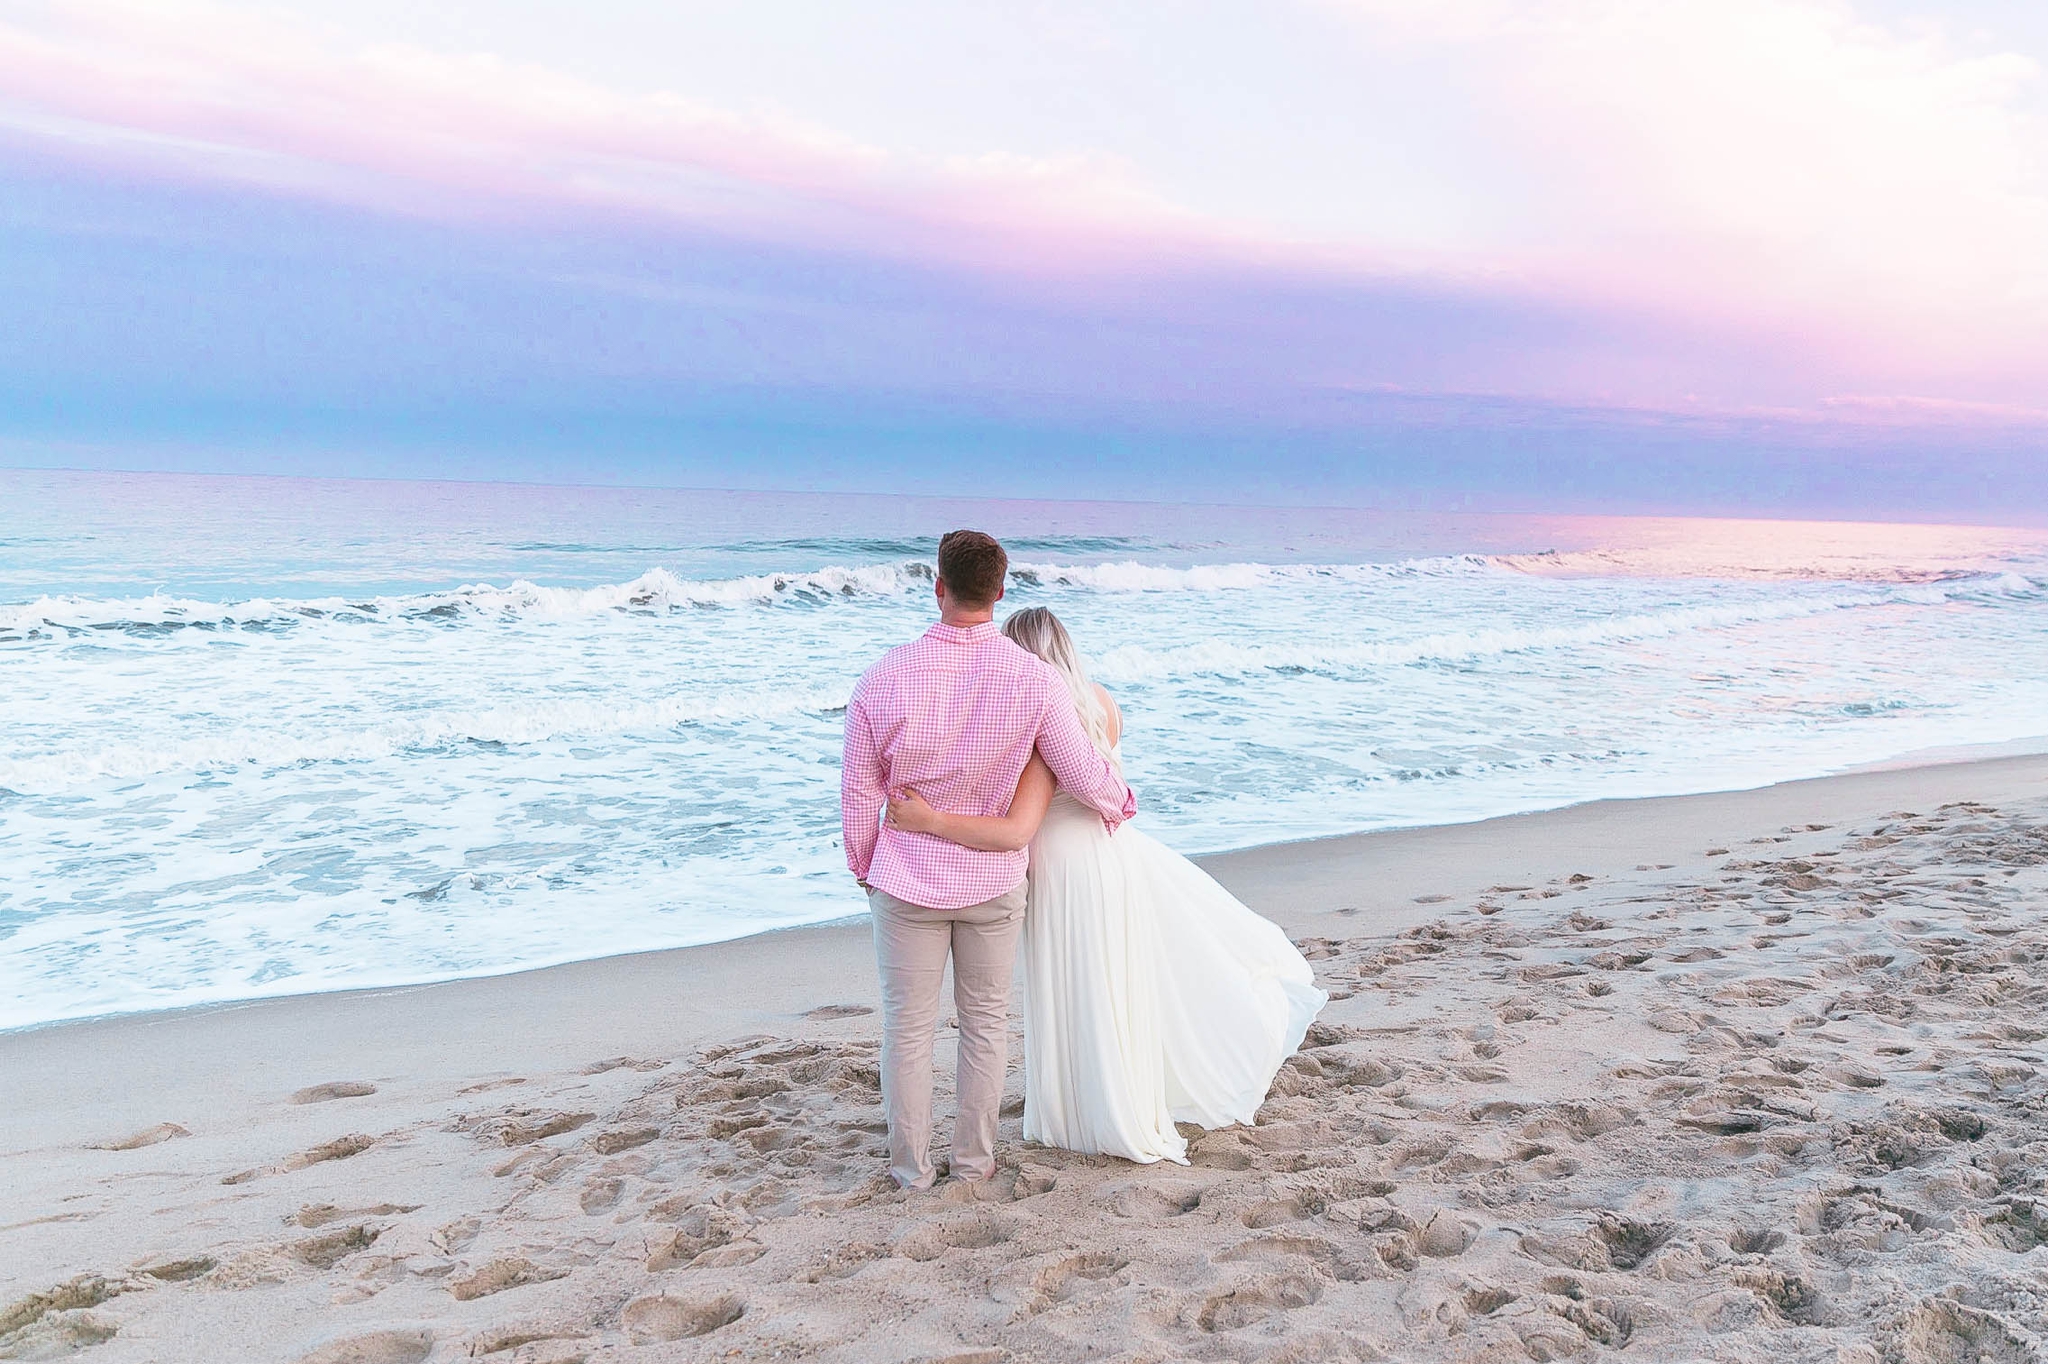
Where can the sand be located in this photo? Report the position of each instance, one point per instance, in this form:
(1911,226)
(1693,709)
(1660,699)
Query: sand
(1734,1077)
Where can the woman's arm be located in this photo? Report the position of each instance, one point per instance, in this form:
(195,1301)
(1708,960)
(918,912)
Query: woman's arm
(990,833)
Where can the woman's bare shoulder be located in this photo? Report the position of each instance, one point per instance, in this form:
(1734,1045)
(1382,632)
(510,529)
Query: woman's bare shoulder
(1112,710)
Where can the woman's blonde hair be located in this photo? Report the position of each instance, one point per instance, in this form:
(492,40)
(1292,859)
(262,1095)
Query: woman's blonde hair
(1039,631)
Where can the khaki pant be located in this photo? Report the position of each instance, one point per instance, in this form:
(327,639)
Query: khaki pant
(911,946)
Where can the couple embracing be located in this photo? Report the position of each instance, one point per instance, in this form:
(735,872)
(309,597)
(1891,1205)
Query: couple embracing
(982,801)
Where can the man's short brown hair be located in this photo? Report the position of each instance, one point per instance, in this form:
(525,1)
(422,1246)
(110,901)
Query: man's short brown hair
(972,566)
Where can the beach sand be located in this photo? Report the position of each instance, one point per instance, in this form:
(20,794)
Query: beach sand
(1734,1077)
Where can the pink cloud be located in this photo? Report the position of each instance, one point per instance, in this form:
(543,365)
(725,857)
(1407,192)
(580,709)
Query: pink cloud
(1773,163)
(1763,174)
(246,96)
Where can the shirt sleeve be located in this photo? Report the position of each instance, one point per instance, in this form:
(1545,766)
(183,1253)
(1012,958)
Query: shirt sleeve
(861,790)
(1084,771)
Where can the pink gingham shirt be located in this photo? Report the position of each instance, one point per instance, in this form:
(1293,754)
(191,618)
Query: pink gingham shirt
(955,715)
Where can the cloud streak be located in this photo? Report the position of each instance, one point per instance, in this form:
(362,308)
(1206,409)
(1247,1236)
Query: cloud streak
(1752,218)
(1775,160)
(258,98)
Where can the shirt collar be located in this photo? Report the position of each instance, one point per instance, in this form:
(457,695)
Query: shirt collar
(962,634)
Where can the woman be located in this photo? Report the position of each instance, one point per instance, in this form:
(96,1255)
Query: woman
(1151,995)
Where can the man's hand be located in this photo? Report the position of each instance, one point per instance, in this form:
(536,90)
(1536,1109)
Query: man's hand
(865,888)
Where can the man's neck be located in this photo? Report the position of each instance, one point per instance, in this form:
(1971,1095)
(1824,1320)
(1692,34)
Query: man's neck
(962,620)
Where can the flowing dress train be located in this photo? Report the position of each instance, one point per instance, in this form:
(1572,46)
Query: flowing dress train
(1151,994)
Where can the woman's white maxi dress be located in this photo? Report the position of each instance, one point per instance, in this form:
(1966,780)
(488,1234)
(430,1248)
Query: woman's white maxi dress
(1151,994)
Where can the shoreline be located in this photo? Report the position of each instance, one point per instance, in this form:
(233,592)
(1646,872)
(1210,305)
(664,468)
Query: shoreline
(1263,857)
(1717,1076)
(1302,885)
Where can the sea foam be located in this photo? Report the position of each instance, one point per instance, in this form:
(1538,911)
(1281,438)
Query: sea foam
(315,781)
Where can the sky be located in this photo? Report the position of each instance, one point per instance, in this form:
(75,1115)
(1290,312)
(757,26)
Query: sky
(1785,256)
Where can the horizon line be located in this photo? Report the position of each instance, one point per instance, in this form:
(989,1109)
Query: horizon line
(1811,518)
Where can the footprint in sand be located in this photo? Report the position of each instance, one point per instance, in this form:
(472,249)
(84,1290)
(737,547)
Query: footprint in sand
(1484,1301)
(1445,1235)
(1272,1213)
(332,1090)
(512,1271)
(843,1262)
(1548,1335)
(182,1270)
(827,1011)
(497,1340)
(1070,1277)
(601,1067)
(1940,1330)
(148,1136)
(523,1127)
(601,1195)
(934,1239)
(1155,1202)
(331,1248)
(341,1148)
(1221,1151)
(58,1334)
(1286,1248)
(1755,1240)
(1033,1180)
(1602,1319)
(622,1139)
(454,1238)
(655,1320)
(313,1215)
(1629,1243)
(1788,1295)
(2019,1227)
(702,1228)
(51,1317)
(1258,1298)
(484,1085)
(394,1345)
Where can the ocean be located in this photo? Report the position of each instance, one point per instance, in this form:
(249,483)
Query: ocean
(270,736)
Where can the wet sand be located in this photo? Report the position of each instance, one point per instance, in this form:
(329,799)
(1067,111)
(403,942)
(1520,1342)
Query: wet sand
(1718,1077)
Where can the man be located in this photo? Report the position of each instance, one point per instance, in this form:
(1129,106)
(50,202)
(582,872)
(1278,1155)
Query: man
(955,715)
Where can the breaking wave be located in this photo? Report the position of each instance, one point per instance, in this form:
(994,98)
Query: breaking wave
(654,591)
(1132,663)
(659,591)
(507,726)
(1136,577)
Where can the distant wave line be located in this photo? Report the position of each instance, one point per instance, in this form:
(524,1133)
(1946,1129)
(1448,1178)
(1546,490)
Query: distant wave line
(658,590)
(1136,663)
